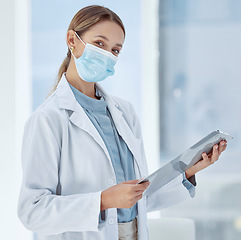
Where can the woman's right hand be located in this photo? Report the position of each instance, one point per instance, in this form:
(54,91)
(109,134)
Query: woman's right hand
(123,195)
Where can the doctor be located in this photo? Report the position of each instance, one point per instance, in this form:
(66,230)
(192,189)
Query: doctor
(82,151)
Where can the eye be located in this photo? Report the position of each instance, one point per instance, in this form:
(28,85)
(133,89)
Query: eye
(99,43)
(116,51)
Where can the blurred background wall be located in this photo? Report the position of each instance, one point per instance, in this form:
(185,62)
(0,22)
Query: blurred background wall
(15,105)
(180,67)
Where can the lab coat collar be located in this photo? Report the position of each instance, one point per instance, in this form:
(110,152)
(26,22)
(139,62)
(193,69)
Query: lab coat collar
(66,100)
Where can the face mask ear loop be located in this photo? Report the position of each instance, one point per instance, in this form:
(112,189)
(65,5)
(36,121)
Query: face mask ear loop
(71,49)
(79,38)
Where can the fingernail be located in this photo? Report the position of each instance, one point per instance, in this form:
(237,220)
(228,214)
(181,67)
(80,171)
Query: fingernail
(216,147)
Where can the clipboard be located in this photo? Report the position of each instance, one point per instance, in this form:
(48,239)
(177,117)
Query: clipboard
(183,162)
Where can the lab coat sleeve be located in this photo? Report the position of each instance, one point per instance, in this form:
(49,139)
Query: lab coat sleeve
(175,192)
(39,207)
(189,184)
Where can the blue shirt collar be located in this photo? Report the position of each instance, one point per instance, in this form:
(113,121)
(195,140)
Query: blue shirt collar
(89,103)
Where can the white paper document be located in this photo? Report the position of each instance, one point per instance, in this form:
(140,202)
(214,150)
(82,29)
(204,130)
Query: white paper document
(184,161)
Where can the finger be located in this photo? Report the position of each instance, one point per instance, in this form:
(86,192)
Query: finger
(138,197)
(222,146)
(138,192)
(144,181)
(205,156)
(141,187)
(206,159)
(215,154)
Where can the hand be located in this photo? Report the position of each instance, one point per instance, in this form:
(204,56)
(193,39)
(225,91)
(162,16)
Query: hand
(207,159)
(123,195)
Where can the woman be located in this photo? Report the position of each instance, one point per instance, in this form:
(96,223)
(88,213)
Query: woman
(82,152)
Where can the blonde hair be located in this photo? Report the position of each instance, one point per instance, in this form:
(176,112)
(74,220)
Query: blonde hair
(81,22)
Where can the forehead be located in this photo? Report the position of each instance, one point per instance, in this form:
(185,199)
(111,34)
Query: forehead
(109,29)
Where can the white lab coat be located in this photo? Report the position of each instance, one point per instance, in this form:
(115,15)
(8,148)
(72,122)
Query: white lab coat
(66,165)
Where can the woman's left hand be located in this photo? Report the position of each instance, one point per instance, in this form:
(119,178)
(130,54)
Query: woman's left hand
(207,160)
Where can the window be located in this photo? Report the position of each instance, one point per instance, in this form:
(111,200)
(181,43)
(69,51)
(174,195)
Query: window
(199,76)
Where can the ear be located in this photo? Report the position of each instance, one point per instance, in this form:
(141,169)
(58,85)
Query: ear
(71,38)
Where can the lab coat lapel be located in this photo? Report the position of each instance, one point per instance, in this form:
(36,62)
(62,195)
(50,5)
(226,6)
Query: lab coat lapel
(81,120)
(133,143)
(125,132)
(78,117)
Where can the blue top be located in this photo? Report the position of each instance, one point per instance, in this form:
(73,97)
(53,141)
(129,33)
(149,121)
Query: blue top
(121,157)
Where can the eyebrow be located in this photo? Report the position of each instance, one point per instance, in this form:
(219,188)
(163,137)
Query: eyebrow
(104,37)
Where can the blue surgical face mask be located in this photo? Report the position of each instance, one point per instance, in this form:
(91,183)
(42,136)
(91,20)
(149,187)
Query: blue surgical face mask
(95,64)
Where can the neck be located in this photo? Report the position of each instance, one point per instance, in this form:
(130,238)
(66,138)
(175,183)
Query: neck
(87,88)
